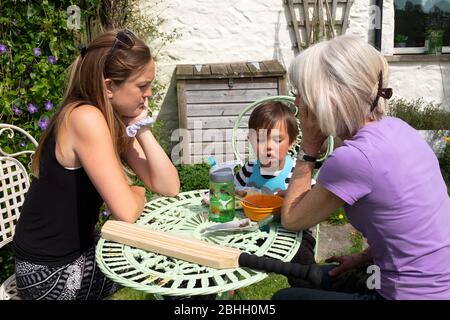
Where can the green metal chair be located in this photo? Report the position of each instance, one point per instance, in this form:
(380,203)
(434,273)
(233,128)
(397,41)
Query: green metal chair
(240,132)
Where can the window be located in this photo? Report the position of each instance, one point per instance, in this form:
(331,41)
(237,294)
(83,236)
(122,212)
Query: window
(422,26)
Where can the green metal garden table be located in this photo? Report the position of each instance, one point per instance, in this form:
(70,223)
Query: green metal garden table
(186,215)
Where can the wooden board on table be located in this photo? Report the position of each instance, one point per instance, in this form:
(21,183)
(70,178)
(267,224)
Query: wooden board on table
(171,245)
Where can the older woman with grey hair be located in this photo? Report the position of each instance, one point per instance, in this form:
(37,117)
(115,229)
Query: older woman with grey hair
(384,174)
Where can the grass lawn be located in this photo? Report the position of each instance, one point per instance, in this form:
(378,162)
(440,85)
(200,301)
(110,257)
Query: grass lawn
(262,290)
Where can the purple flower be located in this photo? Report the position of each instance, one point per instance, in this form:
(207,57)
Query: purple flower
(16,110)
(51,60)
(14,22)
(37,52)
(23,144)
(105,213)
(48,105)
(43,123)
(32,108)
(3,48)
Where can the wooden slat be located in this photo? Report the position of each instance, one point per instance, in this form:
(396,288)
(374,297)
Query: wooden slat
(330,19)
(302,24)
(294,24)
(171,245)
(274,66)
(333,10)
(219,69)
(225,109)
(223,84)
(321,21)
(346,15)
(214,122)
(313,1)
(313,22)
(209,148)
(227,96)
(307,21)
(204,71)
(233,70)
(254,70)
(185,70)
(240,69)
(282,87)
(181,97)
(203,136)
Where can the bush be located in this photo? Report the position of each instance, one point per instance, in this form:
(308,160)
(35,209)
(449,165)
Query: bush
(36,47)
(6,263)
(420,115)
(444,163)
(338,217)
(194,176)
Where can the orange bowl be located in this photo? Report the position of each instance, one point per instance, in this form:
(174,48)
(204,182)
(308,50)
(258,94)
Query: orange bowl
(265,204)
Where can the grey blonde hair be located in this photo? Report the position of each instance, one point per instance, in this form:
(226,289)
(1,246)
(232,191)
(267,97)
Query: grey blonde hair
(338,81)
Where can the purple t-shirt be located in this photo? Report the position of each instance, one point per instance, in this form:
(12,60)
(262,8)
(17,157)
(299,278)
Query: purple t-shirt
(395,195)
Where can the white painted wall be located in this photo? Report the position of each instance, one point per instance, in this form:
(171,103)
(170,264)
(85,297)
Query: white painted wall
(250,30)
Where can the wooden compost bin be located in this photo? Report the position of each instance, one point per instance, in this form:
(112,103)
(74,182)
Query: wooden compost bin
(210,98)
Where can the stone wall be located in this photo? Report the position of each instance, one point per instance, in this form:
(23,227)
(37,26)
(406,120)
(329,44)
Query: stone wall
(244,30)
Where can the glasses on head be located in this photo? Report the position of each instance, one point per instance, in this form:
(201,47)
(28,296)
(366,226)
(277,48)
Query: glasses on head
(125,38)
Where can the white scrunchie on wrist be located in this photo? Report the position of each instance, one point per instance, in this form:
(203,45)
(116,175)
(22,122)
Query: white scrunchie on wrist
(134,128)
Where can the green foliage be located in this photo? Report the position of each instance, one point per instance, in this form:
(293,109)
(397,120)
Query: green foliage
(38,48)
(6,263)
(444,163)
(420,115)
(357,241)
(338,217)
(400,38)
(194,176)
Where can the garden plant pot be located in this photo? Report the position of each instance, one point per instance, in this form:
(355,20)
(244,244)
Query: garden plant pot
(435,38)
(400,45)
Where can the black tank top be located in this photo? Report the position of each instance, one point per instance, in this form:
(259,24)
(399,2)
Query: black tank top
(59,213)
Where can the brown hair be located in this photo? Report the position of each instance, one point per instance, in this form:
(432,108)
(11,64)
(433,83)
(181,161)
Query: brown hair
(85,85)
(267,115)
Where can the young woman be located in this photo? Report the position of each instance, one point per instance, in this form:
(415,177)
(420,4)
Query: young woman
(102,123)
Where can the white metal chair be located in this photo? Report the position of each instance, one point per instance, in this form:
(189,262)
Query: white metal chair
(243,151)
(14,183)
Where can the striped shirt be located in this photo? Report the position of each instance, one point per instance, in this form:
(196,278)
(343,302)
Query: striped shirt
(241,178)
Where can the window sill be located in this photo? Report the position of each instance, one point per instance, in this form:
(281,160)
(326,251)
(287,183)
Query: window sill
(418,58)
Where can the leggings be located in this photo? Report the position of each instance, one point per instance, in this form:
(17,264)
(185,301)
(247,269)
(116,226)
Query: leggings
(79,280)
